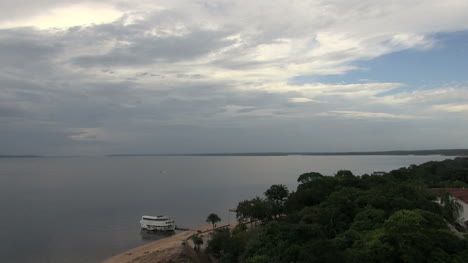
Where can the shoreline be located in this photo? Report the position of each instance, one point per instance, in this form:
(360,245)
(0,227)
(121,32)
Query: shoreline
(162,250)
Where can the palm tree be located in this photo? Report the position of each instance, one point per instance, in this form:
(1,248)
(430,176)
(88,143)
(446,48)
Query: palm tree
(213,219)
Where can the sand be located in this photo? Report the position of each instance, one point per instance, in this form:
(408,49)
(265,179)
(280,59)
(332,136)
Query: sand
(168,249)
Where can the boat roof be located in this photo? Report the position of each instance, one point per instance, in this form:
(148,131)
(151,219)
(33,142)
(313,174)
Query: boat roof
(156,217)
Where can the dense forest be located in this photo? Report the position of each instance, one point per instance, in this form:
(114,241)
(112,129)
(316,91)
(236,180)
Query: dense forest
(348,218)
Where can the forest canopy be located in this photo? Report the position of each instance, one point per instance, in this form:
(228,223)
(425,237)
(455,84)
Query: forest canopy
(348,218)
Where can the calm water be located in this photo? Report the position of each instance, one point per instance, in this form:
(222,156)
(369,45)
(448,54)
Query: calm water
(86,209)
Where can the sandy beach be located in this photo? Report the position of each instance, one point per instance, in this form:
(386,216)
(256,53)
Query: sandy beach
(170,249)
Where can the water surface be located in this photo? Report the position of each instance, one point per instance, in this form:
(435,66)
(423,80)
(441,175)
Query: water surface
(86,209)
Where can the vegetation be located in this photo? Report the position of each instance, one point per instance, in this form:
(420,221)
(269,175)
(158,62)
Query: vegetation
(348,218)
(197,241)
(213,219)
(451,209)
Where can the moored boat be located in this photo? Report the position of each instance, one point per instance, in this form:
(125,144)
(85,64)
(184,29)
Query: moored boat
(157,223)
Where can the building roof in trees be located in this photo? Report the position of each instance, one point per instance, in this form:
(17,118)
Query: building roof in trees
(459,193)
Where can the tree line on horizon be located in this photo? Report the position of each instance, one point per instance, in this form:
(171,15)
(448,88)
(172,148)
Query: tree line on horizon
(349,218)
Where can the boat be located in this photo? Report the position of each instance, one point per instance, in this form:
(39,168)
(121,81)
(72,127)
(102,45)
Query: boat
(157,223)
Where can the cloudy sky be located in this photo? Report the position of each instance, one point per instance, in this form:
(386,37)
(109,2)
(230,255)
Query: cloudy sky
(176,76)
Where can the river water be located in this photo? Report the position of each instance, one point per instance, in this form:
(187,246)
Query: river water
(85,209)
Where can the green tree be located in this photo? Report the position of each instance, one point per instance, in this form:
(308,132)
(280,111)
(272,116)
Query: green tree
(219,242)
(309,177)
(213,219)
(415,234)
(368,219)
(312,192)
(197,241)
(254,209)
(277,194)
(344,173)
(244,211)
(261,209)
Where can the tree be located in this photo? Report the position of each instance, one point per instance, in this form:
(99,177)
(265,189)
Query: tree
(368,219)
(244,211)
(413,234)
(219,242)
(406,236)
(344,173)
(261,209)
(309,177)
(197,241)
(213,219)
(277,194)
(254,209)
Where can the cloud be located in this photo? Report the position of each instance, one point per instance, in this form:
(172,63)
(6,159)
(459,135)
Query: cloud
(179,75)
(144,50)
(301,100)
(87,134)
(20,48)
(369,115)
(321,91)
(444,93)
(67,16)
(452,107)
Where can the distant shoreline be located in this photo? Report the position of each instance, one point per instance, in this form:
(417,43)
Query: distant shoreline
(443,152)
(20,156)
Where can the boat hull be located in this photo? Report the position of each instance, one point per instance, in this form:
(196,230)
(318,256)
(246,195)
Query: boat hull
(157,228)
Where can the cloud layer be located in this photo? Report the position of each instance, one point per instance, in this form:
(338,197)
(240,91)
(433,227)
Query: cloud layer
(217,76)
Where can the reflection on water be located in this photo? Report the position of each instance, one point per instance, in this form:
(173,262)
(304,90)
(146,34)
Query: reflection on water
(155,235)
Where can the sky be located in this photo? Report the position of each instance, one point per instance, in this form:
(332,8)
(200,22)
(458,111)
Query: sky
(211,76)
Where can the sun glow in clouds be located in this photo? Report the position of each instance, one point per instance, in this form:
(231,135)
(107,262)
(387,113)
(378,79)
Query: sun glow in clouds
(69,16)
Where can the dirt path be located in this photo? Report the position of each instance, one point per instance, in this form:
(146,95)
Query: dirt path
(161,251)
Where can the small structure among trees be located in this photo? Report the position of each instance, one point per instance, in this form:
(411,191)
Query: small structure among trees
(454,202)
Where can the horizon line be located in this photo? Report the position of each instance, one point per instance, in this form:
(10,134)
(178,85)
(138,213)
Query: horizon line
(444,152)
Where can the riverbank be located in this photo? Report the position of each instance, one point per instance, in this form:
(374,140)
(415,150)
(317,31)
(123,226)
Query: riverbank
(170,249)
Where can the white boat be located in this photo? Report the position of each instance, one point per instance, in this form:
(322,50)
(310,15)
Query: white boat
(157,223)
